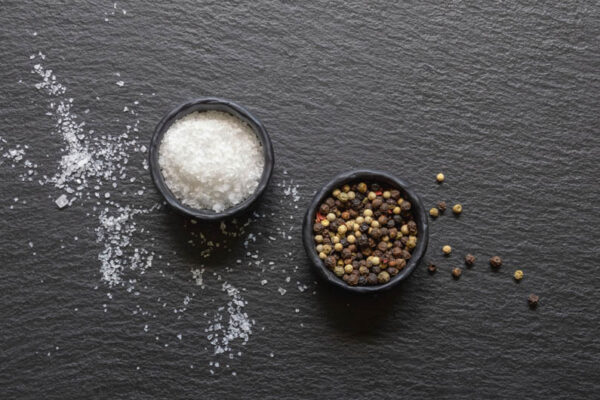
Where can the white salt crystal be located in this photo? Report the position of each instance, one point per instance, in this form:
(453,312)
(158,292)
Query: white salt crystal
(211,160)
(120,83)
(62,201)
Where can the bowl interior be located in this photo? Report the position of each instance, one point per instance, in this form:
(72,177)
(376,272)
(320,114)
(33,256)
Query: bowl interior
(369,176)
(209,104)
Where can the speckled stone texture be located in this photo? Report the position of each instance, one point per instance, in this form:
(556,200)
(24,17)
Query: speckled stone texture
(501,97)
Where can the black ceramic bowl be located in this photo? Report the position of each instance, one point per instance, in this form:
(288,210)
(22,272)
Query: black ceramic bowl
(366,176)
(210,104)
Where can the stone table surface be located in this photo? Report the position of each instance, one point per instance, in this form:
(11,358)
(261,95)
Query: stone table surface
(503,97)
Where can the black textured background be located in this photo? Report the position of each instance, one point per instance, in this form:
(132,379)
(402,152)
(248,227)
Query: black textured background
(500,96)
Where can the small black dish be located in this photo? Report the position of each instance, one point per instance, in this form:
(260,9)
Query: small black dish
(366,176)
(210,104)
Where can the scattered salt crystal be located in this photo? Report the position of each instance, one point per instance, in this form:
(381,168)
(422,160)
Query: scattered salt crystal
(62,201)
(282,291)
(120,83)
(263,282)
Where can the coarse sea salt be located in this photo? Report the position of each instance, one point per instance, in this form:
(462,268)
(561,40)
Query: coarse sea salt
(211,160)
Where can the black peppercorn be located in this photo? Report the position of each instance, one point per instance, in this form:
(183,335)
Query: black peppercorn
(393,271)
(372,279)
(317,227)
(382,246)
(470,260)
(533,300)
(441,206)
(376,269)
(377,203)
(496,262)
(405,206)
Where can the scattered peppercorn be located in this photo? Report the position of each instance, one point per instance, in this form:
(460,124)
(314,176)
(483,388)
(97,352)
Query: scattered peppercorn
(447,250)
(457,209)
(434,212)
(456,272)
(518,275)
(432,268)
(496,262)
(533,300)
(365,233)
(440,177)
(469,260)
(441,206)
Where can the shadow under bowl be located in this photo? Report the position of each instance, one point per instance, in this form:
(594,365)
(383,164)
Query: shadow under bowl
(368,176)
(210,104)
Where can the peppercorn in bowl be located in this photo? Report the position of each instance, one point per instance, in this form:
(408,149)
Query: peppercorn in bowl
(365,231)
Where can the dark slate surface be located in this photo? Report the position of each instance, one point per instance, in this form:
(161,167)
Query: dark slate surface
(503,98)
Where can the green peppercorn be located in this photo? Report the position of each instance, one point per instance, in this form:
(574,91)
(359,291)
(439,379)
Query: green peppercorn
(319,238)
(434,212)
(319,248)
(336,192)
(343,197)
(346,188)
(371,196)
(325,223)
(397,210)
(518,275)
(348,268)
(440,177)
(322,255)
(338,246)
(331,217)
(351,239)
(457,209)
(368,212)
(387,194)
(447,250)
(383,277)
(338,270)
(351,195)
(362,187)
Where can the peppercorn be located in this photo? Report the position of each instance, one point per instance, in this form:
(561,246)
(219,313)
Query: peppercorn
(406,254)
(330,262)
(338,270)
(456,272)
(447,250)
(457,209)
(440,177)
(351,239)
(317,227)
(346,253)
(383,277)
(470,260)
(345,215)
(432,268)
(324,209)
(404,229)
(368,212)
(338,247)
(363,270)
(400,263)
(382,246)
(353,280)
(434,212)
(394,194)
(371,196)
(518,275)
(319,248)
(384,208)
(533,300)
(405,206)
(375,260)
(326,248)
(348,268)
(441,206)
(412,227)
(377,203)
(412,242)
(496,262)
(375,224)
(393,271)
(319,238)
(342,229)
(396,210)
(325,223)
(362,187)
(336,192)
(375,233)
(330,202)
(331,217)
(322,255)
(372,279)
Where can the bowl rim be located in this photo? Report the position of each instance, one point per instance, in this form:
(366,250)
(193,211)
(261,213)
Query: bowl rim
(210,104)
(368,175)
